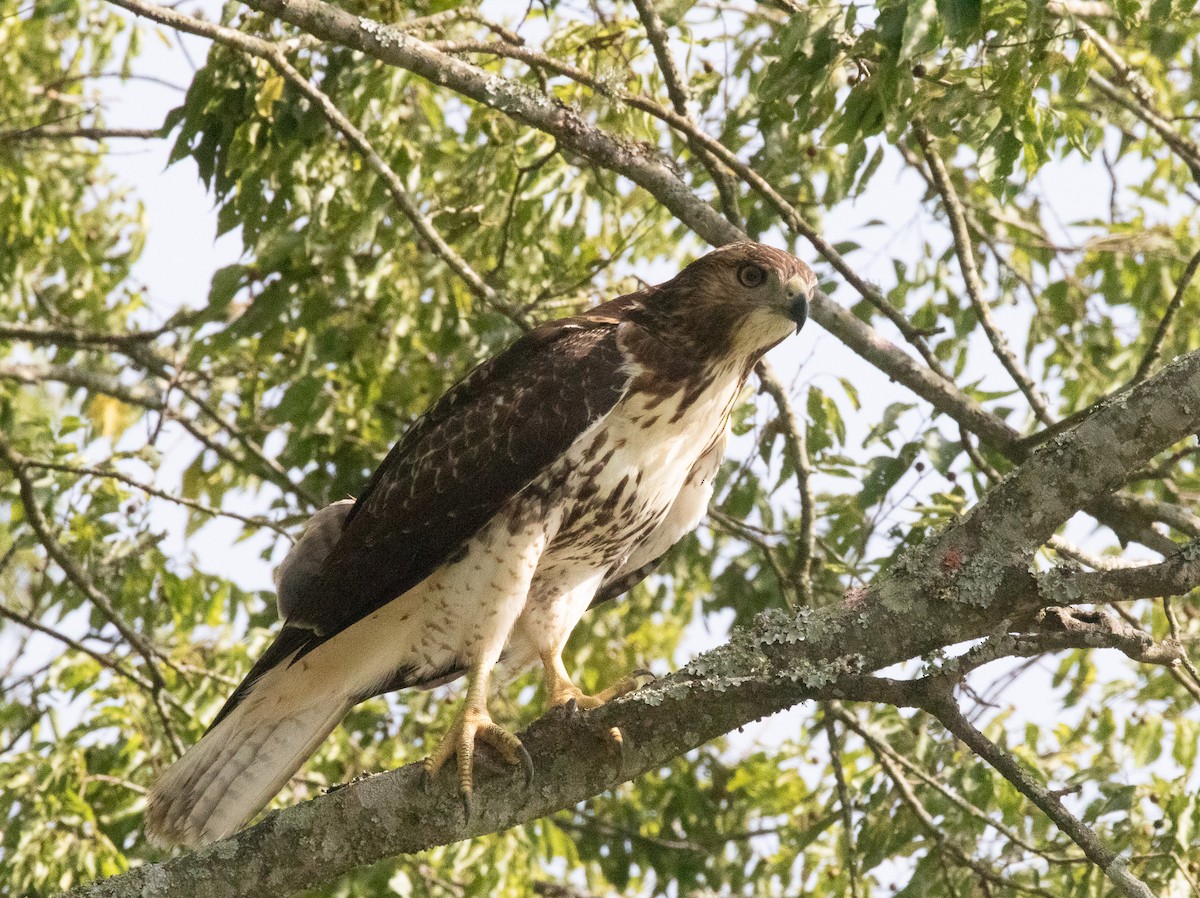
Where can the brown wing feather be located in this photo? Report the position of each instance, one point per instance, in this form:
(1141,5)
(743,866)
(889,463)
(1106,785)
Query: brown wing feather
(482,443)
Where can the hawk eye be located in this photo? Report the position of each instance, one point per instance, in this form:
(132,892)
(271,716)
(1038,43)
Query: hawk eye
(750,275)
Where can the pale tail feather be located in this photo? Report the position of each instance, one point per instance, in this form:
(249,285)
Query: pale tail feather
(239,766)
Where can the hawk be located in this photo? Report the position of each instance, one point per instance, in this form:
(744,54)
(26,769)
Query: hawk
(554,475)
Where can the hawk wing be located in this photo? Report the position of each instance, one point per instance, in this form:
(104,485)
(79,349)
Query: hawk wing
(485,441)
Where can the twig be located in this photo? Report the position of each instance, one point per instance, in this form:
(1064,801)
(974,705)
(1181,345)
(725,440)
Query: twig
(139,395)
(745,532)
(909,796)
(1154,350)
(99,657)
(1075,553)
(89,471)
(92,381)
(647,169)
(1187,151)
(60,132)
(847,810)
(880,747)
(1173,627)
(677,91)
(795,438)
(70,336)
(37,522)
(941,704)
(440,20)
(966,260)
(274,54)
(1145,107)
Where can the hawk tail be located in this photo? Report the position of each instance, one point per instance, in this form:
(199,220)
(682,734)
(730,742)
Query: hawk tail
(229,775)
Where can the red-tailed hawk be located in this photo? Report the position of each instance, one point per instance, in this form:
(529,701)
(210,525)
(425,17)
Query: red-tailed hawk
(554,475)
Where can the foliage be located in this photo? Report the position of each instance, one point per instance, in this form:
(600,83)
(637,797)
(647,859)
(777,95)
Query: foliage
(338,325)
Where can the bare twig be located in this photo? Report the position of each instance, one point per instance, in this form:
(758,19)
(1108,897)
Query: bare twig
(795,438)
(61,132)
(847,810)
(975,289)
(941,704)
(1154,350)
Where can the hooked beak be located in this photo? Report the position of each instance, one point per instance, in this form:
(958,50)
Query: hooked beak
(797,301)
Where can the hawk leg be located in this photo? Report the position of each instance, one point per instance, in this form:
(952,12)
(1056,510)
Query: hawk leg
(472,723)
(562,691)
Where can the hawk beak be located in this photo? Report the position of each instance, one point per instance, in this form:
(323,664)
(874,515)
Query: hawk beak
(797,301)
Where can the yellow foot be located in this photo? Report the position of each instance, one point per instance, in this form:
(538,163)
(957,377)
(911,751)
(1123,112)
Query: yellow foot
(470,725)
(571,698)
(565,692)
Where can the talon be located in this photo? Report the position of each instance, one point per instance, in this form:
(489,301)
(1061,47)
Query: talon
(527,763)
(642,672)
(473,725)
(571,707)
(465,798)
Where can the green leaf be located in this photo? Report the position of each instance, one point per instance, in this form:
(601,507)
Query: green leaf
(962,18)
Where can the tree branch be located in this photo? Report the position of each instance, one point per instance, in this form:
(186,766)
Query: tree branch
(882,750)
(70,336)
(966,261)
(77,576)
(1154,350)
(941,704)
(677,91)
(1143,104)
(274,54)
(794,437)
(909,796)
(91,471)
(99,657)
(61,132)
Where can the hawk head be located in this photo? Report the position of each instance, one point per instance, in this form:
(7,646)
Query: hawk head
(733,303)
